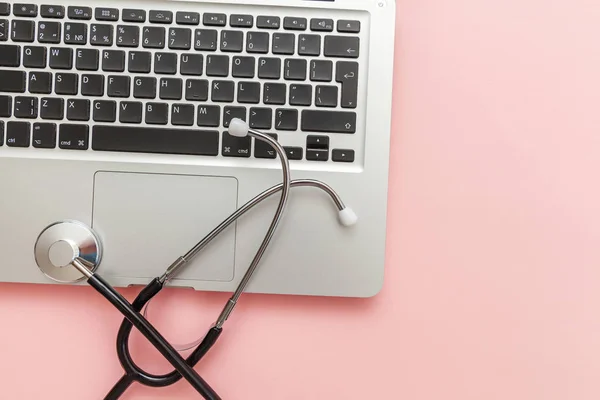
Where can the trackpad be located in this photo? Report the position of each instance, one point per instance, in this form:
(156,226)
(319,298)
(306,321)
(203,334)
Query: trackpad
(146,221)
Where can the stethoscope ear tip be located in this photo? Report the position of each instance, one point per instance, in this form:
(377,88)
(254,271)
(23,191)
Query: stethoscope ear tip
(348,217)
(238,128)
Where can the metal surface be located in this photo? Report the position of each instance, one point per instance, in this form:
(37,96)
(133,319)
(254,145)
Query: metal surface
(61,243)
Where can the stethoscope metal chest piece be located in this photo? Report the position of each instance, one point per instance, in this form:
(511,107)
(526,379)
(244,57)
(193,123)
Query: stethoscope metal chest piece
(60,243)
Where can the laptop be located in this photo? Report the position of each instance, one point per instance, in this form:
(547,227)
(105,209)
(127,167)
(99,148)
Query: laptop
(114,118)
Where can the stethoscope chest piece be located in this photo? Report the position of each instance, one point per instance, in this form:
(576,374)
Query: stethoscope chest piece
(60,243)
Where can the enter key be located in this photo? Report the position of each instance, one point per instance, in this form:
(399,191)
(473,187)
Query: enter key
(347,75)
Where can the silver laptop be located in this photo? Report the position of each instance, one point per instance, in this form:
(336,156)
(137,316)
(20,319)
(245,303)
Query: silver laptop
(115,115)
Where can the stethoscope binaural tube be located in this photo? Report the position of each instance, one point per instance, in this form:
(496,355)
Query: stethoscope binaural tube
(135,373)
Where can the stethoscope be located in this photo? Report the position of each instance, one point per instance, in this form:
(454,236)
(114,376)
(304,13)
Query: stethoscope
(86,257)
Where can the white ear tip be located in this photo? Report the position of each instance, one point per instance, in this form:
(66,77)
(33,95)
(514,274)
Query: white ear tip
(348,217)
(238,128)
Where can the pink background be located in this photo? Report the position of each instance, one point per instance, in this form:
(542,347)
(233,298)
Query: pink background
(493,285)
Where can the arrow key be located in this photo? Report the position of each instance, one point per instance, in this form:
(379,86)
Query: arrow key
(293,153)
(342,46)
(44,135)
(342,155)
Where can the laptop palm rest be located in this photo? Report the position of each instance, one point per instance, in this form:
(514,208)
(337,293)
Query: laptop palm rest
(145,221)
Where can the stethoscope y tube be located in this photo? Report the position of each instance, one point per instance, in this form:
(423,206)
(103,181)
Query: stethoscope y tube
(135,373)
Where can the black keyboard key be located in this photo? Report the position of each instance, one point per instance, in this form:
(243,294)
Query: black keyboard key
(170,88)
(263,149)
(309,45)
(295,69)
(118,86)
(341,46)
(223,91)
(79,13)
(248,92)
(49,32)
(52,108)
(18,134)
(105,111)
(10,55)
(25,10)
(12,81)
(241,21)
(128,35)
(321,25)
(182,114)
(4,24)
(87,59)
(187,18)
(294,23)
(283,43)
(347,75)
(23,31)
(44,135)
(317,155)
(205,39)
(154,37)
(26,107)
(261,118)
(274,93)
(214,19)
(65,83)
(165,63)
(286,119)
(74,137)
(144,87)
(293,153)
(92,85)
(160,17)
(328,121)
(101,35)
(191,64)
(78,109)
(196,90)
(40,82)
(257,42)
(326,96)
(61,58)
(155,140)
(157,113)
(209,116)
(4,8)
(5,106)
(130,112)
(75,33)
(134,15)
(231,112)
(217,65)
(113,61)
(342,155)
(34,57)
(300,95)
(268,22)
(1,133)
(106,14)
(243,67)
(269,68)
(52,11)
(180,38)
(348,26)
(232,41)
(321,70)
(234,146)
(317,142)
(139,61)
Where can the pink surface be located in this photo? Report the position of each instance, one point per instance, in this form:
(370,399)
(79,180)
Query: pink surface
(493,281)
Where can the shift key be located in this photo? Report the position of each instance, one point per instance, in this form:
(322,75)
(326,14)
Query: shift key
(12,81)
(328,121)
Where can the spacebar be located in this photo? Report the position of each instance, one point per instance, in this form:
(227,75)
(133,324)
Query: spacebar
(137,139)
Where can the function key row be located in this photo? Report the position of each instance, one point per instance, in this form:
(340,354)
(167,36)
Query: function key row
(181,17)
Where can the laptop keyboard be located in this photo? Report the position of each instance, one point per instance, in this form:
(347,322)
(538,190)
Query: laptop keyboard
(169,82)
